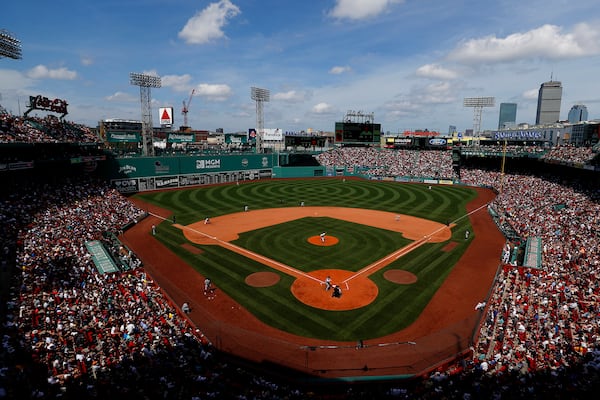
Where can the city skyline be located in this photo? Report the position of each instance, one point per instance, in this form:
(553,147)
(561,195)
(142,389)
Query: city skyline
(507,117)
(409,63)
(549,103)
(578,113)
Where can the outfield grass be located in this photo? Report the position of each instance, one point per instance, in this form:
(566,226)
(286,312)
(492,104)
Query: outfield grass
(396,305)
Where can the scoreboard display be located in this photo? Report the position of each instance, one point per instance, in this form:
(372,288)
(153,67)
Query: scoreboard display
(357,132)
(305,141)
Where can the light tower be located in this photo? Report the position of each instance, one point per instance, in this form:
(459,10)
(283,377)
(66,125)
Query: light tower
(259,96)
(478,103)
(10,46)
(145,82)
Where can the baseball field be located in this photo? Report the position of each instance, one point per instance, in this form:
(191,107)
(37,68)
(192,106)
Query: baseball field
(269,246)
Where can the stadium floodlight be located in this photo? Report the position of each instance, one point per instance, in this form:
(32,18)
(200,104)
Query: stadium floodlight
(477,103)
(260,96)
(145,82)
(10,46)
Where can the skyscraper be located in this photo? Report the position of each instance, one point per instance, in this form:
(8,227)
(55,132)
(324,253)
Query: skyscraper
(508,115)
(578,113)
(549,97)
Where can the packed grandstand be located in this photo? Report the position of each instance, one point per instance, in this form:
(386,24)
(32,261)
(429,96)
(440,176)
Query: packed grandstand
(71,332)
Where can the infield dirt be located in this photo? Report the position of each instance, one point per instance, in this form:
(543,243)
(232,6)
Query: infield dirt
(445,327)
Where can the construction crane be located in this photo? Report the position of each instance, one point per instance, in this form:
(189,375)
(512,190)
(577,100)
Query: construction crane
(186,108)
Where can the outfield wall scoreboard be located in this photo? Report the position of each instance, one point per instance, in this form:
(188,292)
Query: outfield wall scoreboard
(357,132)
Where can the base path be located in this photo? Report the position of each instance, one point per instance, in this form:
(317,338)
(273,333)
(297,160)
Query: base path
(309,287)
(444,328)
(227,228)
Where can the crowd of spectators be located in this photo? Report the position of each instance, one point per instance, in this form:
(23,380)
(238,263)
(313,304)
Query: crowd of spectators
(71,332)
(48,129)
(387,162)
(544,319)
(541,326)
(436,164)
(571,154)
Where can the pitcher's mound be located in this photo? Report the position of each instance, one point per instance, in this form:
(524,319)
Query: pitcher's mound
(329,240)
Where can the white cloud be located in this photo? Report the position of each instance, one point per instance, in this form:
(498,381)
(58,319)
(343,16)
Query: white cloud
(339,70)
(151,72)
(217,92)
(435,93)
(179,83)
(417,100)
(360,9)
(13,80)
(322,108)
(546,42)
(290,96)
(434,71)
(531,94)
(121,96)
(401,108)
(43,72)
(207,24)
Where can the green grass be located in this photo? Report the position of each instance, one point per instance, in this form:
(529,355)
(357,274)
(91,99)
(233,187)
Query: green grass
(287,243)
(396,305)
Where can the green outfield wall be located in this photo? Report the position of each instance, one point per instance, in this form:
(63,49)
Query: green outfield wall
(136,174)
(139,174)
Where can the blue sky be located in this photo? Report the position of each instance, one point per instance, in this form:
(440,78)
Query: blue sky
(410,62)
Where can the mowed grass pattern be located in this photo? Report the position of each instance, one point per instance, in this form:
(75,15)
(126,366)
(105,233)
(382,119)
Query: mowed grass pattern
(396,305)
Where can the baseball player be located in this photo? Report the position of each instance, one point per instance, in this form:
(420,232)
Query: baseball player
(322,235)
(206,285)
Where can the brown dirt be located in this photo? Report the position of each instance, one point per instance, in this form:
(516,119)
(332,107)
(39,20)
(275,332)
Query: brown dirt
(400,276)
(329,240)
(359,291)
(444,328)
(262,279)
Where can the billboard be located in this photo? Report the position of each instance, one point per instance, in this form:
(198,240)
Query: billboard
(176,137)
(273,134)
(166,115)
(234,138)
(357,132)
(123,137)
(252,134)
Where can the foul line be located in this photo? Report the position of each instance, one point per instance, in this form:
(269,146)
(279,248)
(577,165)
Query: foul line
(369,269)
(377,265)
(250,254)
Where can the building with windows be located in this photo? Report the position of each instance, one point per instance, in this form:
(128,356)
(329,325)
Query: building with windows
(578,113)
(508,115)
(548,107)
(585,133)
